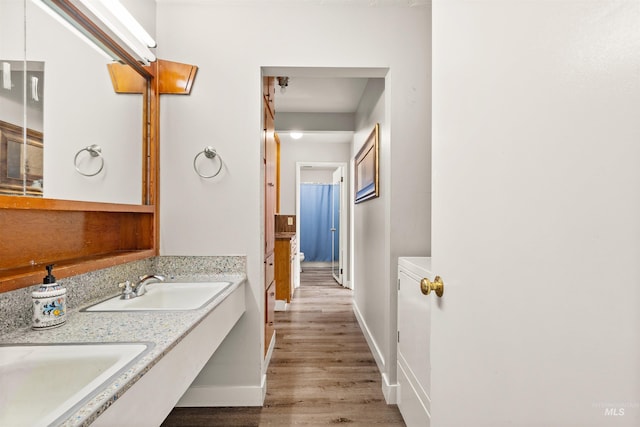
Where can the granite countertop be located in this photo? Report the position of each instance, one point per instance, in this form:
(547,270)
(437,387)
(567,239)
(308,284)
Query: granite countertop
(164,329)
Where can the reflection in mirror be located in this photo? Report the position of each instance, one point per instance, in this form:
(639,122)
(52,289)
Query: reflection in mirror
(77,108)
(21,160)
(81,109)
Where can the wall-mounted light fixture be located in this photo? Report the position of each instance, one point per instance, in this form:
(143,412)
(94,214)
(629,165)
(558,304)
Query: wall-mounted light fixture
(113,20)
(283,82)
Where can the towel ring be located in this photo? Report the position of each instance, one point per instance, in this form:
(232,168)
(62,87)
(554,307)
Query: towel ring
(210,153)
(95,151)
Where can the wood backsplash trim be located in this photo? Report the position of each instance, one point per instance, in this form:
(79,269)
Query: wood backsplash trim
(76,236)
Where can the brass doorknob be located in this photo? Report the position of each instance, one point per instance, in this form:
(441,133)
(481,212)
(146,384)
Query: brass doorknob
(426,286)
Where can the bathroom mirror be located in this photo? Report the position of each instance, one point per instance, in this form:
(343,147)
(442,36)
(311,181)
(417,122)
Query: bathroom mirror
(90,222)
(57,99)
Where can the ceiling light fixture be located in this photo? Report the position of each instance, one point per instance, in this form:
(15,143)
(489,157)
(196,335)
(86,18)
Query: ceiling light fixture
(283,82)
(296,134)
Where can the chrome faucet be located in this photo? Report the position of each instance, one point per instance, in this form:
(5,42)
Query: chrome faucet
(127,292)
(140,288)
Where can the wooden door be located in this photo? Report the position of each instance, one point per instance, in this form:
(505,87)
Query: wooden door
(270,177)
(270,151)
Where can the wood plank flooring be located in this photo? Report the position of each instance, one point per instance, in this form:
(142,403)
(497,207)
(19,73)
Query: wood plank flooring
(321,372)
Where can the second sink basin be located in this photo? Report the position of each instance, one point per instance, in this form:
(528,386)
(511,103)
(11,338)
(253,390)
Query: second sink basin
(44,384)
(166,296)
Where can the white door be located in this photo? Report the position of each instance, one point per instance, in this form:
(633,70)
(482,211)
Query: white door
(336,225)
(536,213)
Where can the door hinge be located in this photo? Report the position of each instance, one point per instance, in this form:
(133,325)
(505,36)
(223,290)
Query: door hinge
(398,336)
(398,283)
(341,271)
(341,179)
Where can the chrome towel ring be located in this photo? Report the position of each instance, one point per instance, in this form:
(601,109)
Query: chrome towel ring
(210,153)
(95,151)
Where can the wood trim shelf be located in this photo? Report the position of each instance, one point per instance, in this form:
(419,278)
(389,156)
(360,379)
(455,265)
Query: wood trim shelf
(76,236)
(38,203)
(16,278)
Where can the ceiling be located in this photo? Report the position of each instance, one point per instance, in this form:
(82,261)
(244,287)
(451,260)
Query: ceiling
(320,95)
(332,93)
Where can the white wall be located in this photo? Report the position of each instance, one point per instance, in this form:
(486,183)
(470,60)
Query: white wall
(230,44)
(371,234)
(145,13)
(371,231)
(12,20)
(395,224)
(536,218)
(317,176)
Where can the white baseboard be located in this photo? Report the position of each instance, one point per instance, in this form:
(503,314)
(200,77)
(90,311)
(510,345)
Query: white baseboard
(263,385)
(221,396)
(281,305)
(390,391)
(373,346)
(267,357)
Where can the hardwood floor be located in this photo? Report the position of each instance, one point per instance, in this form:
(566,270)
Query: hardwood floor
(321,372)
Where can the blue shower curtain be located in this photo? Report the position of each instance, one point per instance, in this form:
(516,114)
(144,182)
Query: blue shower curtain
(315,221)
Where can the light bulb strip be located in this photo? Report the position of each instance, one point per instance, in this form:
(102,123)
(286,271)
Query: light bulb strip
(129,22)
(98,31)
(116,17)
(56,14)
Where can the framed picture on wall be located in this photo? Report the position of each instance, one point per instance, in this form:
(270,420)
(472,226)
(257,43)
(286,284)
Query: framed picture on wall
(366,167)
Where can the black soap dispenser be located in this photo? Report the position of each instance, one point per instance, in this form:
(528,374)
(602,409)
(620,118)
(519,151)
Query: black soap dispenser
(49,303)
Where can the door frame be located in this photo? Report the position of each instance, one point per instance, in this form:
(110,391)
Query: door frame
(344,239)
(341,223)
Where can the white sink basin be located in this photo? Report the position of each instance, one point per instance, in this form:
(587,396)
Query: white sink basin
(166,296)
(44,384)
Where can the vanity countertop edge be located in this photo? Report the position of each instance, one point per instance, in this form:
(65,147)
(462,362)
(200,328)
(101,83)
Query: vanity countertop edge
(164,329)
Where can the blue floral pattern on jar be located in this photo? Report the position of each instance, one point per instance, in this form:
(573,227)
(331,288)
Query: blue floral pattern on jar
(54,307)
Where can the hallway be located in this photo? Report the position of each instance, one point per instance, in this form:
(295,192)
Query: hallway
(321,372)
